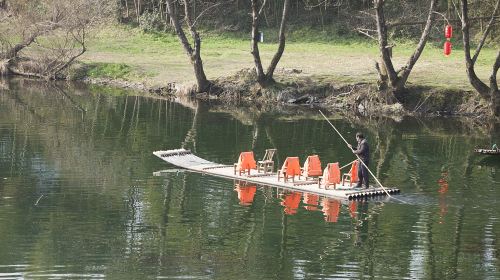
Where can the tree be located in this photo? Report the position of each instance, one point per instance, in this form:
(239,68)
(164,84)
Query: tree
(389,77)
(63,24)
(194,54)
(490,92)
(266,78)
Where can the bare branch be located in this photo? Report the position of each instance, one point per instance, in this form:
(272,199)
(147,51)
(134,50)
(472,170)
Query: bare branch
(206,10)
(456,9)
(81,41)
(365,31)
(486,32)
(390,25)
(421,44)
(262,7)
(315,6)
(372,16)
(442,15)
(281,39)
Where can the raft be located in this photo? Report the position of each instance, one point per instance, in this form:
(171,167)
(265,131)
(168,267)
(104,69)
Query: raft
(487,151)
(186,159)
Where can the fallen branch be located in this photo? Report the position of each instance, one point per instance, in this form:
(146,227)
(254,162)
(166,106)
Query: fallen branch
(389,25)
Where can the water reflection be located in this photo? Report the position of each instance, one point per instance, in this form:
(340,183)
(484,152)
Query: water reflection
(291,201)
(443,189)
(87,153)
(331,209)
(311,201)
(246,192)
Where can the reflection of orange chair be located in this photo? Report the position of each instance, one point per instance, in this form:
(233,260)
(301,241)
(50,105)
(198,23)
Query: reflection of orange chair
(291,167)
(312,167)
(245,193)
(443,183)
(246,161)
(353,206)
(291,202)
(311,201)
(443,207)
(352,176)
(331,209)
(331,176)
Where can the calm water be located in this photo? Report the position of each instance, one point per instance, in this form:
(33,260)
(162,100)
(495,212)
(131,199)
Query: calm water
(78,198)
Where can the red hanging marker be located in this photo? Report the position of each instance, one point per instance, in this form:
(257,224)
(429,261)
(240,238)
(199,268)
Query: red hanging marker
(447,48)
(448,31)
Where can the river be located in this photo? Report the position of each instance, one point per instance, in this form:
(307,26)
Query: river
(79,198)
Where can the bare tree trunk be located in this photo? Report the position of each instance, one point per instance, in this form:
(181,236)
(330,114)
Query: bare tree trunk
(321,17)
(281,46)
(203,84)
(194,8)
(4,68)
(406,70)
(480,87)
(168,19)
(398,79)
(266,78)
(136,8)
(495,93)
(255,41)
(127,11)
(139,10)
(160,8)
(383,41)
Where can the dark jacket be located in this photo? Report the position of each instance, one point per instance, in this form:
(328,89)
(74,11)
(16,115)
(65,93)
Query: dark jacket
(363,151)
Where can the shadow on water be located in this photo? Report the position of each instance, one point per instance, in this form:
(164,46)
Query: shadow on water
(489,161)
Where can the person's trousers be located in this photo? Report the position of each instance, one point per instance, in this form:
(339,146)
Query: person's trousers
(363,175)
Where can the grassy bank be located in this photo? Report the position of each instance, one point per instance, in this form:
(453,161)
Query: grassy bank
(157,59)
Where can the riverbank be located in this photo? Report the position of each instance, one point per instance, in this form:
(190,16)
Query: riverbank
(334,74)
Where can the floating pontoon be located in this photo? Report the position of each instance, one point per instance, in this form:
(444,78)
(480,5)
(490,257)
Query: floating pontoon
(488,151)
(185,159)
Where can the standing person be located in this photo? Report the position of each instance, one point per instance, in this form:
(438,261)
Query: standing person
(363,151)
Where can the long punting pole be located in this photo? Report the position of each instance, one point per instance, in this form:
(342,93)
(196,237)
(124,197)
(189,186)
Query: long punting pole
(362,162)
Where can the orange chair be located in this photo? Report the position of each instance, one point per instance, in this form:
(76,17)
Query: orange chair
(331,176)
(246,162)
(312,167)
(291,167)
(291,202)
(246,193)
(331,209)
(352,176)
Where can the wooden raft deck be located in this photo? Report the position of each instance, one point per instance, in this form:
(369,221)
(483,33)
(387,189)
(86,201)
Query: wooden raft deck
(185,159)
(487,151)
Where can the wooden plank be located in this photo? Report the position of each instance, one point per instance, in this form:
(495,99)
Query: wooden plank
(487,151)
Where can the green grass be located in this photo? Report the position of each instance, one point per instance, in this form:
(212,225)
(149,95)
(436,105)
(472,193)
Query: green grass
(108,70)
(158,58)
